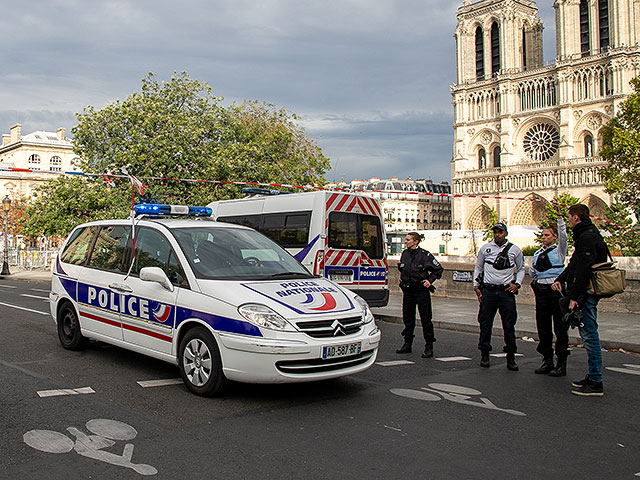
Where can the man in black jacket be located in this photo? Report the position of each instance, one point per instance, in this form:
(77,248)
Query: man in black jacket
(418,270)
(589,250)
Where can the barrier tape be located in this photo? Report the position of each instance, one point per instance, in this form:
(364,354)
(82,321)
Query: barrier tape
(107,178)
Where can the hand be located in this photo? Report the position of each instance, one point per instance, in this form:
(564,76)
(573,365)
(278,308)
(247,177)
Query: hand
(426,283)
(556,287)
(556,207)
(478,293)
(512,288)
(573,304)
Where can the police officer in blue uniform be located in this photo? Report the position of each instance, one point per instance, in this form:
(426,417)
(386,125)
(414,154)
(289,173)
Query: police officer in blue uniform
(548,263)
(418,270)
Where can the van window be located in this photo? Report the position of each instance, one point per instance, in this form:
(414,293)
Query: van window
(78,245)
(289,230)
(354,231)
(153,250)
(108,251)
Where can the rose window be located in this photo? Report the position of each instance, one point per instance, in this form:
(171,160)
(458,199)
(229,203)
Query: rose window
(541,142)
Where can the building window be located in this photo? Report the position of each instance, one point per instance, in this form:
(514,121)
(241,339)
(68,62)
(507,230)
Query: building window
(496,157)
(603,20)
(495,49)
(479,54)
(588,146)
(584,27)
(34,162)
(482,159)
(524,49)
(55,164)
(541,142)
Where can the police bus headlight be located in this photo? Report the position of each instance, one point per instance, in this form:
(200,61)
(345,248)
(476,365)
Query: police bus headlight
(264,317)
(367,316)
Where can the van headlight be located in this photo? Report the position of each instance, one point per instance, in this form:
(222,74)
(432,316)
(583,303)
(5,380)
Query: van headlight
(263,316)
(367,316)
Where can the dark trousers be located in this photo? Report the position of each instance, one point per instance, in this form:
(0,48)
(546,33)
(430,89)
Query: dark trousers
(417,296)
(548,321)
(493,301)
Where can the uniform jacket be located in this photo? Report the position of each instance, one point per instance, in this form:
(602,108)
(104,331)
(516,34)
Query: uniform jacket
(417,265)
(485,272)
(556,255)
(589,249)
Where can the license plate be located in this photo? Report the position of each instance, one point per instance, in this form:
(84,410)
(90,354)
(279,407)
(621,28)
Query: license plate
(334,351)
(345,277)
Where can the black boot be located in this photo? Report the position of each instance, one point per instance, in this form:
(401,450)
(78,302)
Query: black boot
(561,368)
(484,359)
(511,362)
(547,365)
(428,351)
(405,348)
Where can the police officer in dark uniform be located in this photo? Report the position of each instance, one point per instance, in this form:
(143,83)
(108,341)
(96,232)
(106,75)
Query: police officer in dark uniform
(418,270)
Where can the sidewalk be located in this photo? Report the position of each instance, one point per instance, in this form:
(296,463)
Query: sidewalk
(37,276)
(617,330)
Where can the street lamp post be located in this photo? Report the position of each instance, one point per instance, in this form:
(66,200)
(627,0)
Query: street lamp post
(6,206)
(446,238)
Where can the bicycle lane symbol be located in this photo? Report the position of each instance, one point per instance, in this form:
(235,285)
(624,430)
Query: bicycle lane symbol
(105,434)
(453,393)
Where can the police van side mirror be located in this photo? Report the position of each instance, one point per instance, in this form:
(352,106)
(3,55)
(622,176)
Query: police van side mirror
(156,274)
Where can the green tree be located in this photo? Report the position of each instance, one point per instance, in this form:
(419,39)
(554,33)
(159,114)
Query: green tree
(621,149)
(564,201)
(493,219)
(621,241)
(170,130)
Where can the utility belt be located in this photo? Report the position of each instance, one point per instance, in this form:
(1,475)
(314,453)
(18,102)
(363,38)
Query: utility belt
(415,285)
(491,286)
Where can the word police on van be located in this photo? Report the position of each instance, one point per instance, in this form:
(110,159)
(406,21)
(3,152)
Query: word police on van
(221,301)
(336,235)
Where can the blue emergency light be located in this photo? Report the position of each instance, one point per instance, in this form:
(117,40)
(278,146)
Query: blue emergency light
(172,210)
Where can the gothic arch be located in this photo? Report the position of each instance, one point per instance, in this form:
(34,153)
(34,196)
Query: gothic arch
(597,206)
(529,211)
(479,219)
(592,123)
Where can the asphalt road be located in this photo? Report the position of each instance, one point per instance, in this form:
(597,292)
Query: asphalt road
(422,418)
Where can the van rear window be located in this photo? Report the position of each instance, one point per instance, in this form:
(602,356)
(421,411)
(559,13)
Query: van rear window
(289,230)
(354,231)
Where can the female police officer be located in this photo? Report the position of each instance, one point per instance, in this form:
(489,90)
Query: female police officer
(418,270)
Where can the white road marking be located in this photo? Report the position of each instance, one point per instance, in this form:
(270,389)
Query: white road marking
(159,383)
(34,296)
(503,355)
(65,391)
(23,308)
(452,359)
(40,290)
(7,286)
(630,371)
(393,363)
(631,365)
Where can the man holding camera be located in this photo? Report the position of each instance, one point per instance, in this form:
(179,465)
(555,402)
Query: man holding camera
(590,249)
(497,263)
(418,270)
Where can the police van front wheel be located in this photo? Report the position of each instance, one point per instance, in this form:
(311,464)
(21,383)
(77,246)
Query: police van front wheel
(69,332)
(200,363)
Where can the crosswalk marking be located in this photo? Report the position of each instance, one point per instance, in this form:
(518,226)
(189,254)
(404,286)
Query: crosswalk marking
(65,391)
(394,363)
(503,355)
(159,383)
(452,359)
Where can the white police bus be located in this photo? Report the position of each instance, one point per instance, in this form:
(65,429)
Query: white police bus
(221,301)
(337,235)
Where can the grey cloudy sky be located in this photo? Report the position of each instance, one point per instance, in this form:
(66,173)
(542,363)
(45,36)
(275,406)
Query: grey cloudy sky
(369,78)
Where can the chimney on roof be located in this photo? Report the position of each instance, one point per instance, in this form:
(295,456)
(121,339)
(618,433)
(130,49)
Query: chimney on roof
(60,133)
(16,133)
(6,139)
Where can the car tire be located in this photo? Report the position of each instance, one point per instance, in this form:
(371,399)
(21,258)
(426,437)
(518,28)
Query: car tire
(69,332)
(200,363)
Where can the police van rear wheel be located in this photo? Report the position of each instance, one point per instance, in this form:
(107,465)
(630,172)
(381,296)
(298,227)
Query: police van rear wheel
(200,363)
(69,332)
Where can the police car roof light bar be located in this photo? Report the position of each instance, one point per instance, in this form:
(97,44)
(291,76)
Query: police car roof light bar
(171,210)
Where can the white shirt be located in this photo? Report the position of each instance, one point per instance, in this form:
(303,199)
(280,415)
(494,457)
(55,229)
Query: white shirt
(488,254)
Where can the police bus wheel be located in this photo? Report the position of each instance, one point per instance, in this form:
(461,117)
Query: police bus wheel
(200,363)
(69,332)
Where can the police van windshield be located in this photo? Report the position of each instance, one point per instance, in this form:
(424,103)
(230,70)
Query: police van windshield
(236,254)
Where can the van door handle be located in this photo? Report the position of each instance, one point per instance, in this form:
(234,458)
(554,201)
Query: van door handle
(120,287)
(365,264)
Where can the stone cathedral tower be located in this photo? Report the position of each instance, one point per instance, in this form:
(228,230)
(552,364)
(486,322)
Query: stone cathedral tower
(524,129)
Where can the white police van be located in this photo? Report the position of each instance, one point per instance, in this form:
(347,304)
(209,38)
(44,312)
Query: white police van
(338,235)
(221,301)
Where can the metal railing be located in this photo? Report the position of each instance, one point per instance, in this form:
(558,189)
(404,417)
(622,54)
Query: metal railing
(30,259)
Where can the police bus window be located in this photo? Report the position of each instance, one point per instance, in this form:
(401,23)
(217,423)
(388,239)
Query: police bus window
(109,248)
(77,247)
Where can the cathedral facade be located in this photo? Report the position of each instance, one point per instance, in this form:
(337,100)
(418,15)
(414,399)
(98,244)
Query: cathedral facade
(523,129)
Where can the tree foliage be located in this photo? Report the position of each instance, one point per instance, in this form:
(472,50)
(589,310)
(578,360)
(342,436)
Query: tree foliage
(170,130)
(564,201)
(621,241)
(493,219)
